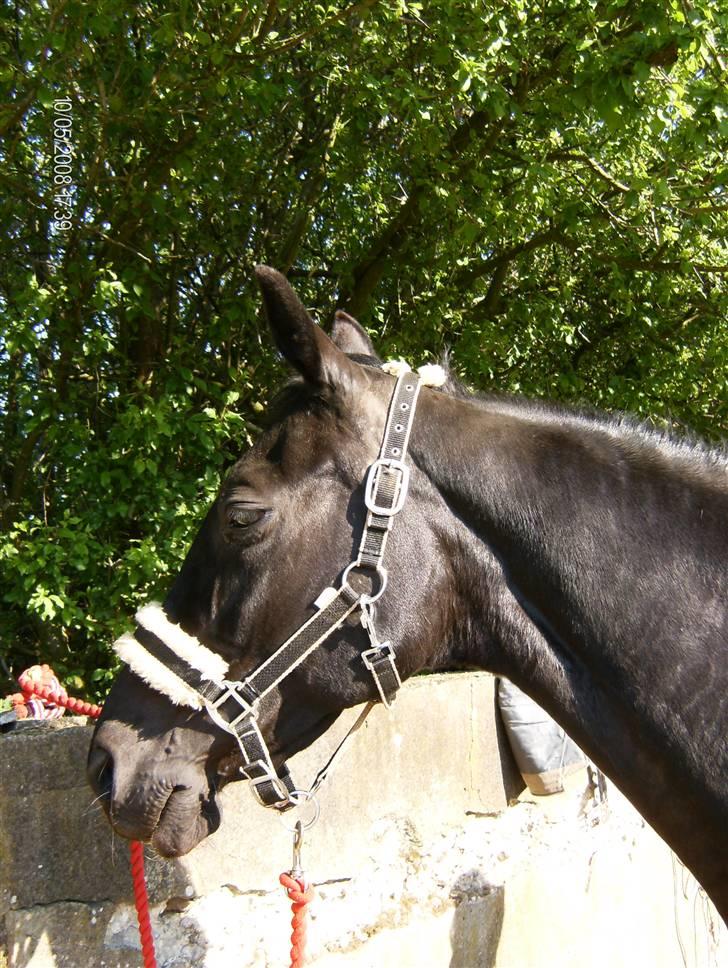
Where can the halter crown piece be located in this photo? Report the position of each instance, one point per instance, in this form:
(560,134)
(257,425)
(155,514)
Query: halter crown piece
(176,664)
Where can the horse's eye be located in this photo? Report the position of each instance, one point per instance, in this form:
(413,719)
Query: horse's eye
(242,516)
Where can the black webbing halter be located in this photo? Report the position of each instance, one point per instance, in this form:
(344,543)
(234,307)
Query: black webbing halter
(234,705)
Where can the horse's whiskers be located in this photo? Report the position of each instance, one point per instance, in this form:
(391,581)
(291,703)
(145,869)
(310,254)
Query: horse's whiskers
(93,803)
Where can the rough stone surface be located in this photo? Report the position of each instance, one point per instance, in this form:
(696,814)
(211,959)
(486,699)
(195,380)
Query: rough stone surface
(42,776)
(55,843)
(417,858)
(532,887)
(67,935)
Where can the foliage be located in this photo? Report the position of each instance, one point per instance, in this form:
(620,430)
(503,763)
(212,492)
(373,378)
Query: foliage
(541,187)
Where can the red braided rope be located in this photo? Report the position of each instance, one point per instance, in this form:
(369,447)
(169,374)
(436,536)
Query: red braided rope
(141,902)
(77,706)
(141,899)
(301,896)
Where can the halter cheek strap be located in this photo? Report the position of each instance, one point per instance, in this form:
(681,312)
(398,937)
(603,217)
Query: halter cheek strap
(176,664)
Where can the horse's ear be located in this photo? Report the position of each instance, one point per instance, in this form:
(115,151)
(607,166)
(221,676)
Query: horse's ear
(300,340)
(350,336)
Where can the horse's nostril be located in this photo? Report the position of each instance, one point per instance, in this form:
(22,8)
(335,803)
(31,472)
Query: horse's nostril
(100,771)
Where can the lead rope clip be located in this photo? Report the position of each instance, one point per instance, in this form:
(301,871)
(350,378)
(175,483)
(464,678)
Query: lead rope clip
(296,871)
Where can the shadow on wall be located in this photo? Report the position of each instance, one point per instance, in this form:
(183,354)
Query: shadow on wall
(69,932)
(513,782)
(477,922)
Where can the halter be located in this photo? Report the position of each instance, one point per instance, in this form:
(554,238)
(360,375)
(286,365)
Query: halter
(181,668)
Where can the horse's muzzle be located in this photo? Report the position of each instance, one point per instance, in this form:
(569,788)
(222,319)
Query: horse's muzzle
(173,809)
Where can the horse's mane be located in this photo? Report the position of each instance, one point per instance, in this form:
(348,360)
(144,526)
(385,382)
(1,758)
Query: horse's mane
(676,443)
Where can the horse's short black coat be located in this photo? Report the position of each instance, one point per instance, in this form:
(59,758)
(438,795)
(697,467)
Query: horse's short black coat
(579,555)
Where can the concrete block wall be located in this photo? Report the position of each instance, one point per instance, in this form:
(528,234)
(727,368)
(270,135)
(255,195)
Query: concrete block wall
(427,853)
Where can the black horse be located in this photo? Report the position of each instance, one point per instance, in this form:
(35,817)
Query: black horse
(582,556)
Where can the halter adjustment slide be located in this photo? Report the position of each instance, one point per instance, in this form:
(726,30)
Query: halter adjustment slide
(379,660)
(267,775)
(372,487)
(233,690)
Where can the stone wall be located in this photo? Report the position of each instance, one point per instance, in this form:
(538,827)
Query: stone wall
(427,853)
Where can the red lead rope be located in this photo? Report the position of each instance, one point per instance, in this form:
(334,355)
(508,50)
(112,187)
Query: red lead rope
(301,896)
(141,900)
(77,706)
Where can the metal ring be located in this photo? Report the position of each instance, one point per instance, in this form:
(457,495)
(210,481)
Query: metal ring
(381,574)
(305,796)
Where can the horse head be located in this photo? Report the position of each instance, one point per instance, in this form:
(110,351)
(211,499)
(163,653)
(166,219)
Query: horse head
(287,522)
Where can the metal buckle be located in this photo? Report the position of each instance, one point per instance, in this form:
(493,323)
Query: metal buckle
(382,651)
(268,776)
(371,486)
(231,692)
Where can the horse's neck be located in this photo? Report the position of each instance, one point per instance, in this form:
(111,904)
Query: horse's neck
(600,531)
(601,577)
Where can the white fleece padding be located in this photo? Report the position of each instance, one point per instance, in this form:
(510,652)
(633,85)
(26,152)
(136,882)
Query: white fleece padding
(154,673)
(153,618)
(396,367)
(431,374)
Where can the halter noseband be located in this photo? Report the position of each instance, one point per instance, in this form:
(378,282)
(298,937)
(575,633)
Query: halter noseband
(180,667)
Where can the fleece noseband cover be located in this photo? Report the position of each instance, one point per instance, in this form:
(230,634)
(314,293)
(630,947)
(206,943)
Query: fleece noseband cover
(155,673)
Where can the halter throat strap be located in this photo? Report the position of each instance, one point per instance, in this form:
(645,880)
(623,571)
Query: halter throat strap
(179,666)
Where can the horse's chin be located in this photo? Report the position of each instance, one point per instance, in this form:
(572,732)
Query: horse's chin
(184,822)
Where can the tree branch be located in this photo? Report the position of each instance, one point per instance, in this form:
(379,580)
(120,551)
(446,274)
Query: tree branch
(465,277)
(590,163)
(370,269)
(308,200)
(21,470)
(22,106)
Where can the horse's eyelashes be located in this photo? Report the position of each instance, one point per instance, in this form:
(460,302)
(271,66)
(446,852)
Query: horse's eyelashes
(242,516)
